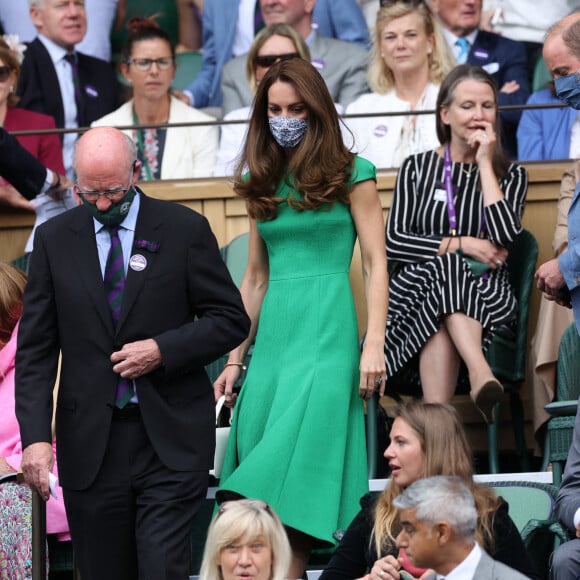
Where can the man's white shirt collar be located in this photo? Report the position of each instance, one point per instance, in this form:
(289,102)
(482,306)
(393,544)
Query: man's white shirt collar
(465,570)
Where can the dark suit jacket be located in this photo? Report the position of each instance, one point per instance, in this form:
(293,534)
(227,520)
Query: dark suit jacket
(19,167)
(505,60)
(184,299)
(39,90)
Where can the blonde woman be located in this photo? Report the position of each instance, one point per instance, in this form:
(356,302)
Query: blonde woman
(409,59)
(245,539)
(427,439)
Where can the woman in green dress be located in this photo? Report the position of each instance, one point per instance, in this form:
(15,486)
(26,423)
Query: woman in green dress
(297,439)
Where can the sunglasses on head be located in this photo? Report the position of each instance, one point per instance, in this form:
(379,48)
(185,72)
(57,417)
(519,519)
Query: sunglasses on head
(4,73)
(267,60)
(413,3)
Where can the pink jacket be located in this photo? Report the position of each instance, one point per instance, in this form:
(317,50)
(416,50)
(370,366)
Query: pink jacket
(10,445)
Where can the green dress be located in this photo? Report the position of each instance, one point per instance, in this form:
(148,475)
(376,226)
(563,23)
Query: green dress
(297,439)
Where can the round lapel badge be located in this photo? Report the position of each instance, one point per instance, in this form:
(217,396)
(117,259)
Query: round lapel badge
(138,262)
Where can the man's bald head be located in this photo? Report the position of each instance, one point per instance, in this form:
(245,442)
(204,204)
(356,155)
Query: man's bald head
(562,46)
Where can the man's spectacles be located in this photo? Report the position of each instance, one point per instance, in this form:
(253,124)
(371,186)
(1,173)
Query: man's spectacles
(144,64)
(4,73)
(413,3)
(267,60)
(111,194)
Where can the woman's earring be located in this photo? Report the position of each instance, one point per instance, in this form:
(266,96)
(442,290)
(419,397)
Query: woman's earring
(11,89)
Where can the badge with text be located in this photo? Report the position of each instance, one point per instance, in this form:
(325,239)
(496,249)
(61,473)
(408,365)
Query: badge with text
(137,262)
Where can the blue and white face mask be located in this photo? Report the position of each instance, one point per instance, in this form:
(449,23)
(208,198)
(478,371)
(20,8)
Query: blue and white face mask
(288,131)
(568,89)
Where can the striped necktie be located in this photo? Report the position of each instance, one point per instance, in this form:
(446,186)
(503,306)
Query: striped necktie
(71,58)
(463,45)
(114,285)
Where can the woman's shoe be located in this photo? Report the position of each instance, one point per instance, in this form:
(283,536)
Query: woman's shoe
(485,398)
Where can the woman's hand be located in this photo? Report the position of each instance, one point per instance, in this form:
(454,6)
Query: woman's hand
(386,568)
(224,385)
(484,251)
(483,141)
(372,370)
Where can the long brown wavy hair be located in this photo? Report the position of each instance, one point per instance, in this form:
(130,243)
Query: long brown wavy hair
(446,452)
(320,164)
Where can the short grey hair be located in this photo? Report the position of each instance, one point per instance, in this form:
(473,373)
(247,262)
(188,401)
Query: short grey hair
(36,3)
(441,498)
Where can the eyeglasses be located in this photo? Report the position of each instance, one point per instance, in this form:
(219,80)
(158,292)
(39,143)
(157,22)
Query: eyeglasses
(4,73)
(267,60)
(413,3)
(111,194)
(144,64)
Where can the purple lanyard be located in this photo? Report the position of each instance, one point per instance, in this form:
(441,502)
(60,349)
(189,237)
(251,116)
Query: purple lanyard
(452,215)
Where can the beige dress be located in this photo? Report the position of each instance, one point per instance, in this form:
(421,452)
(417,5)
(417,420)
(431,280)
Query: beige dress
(552,318)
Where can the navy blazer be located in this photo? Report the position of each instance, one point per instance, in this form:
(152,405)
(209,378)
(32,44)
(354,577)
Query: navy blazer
(19,167)
(505,60)
(39,90)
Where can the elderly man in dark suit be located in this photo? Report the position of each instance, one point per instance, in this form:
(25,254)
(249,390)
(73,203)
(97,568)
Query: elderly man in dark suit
(141,303)
(502,58)
(72,87)
(343,65)
(438,518)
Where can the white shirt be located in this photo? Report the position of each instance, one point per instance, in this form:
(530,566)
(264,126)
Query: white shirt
(67,90)
(465,570)
(575,140)
(528,21)
(451,39)
(245,27)
(380,139)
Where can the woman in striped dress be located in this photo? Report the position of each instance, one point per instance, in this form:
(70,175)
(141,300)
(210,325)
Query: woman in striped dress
(455,211)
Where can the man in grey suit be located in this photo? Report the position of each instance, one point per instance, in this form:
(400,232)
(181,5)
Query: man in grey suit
(438,520)
(343,65)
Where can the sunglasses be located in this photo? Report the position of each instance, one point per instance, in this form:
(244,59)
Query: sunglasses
(413,3)
(4,73)
(267,60)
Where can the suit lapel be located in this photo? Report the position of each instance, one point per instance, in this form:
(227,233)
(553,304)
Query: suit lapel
(84,254)
(145,246)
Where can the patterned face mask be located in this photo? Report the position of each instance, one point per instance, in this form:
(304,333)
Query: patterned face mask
(288,131)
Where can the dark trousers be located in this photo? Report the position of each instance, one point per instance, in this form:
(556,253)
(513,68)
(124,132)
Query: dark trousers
(134,522)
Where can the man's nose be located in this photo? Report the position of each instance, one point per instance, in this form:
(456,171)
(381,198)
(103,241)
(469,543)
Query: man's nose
(103,203)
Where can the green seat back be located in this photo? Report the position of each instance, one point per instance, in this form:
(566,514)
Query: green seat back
(187,65)
(507,355)
(568,374)
(235,256)
(527,500)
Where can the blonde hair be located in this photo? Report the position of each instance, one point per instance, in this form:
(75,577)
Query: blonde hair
(441,61)
(279,29)
(447,452)
(240,521)
(12,283)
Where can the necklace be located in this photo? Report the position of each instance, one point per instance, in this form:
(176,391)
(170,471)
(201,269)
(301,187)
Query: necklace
(470,171)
